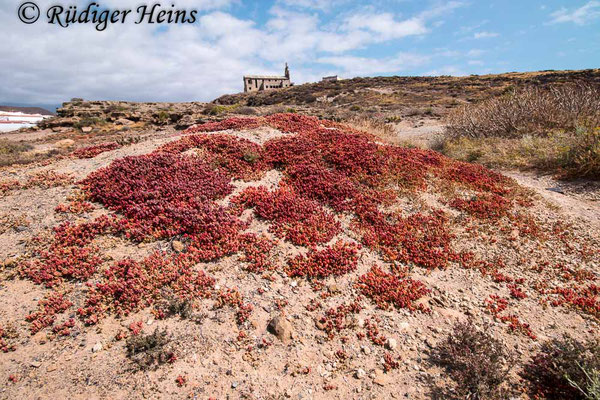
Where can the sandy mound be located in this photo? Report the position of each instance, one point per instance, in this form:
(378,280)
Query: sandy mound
(282,255)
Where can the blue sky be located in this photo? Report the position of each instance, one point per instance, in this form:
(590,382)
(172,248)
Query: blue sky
(46,64)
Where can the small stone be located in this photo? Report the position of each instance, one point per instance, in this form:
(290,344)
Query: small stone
(320,324)
(333,288)
(150,321)
(281,328)
(234,385)
(380,378)
(177,246)
(65,143)
(391,344)
(51,368)
(366,350)
(123,121)
(293,283)
(86,129)
(360,373)
(36,364)
(97,347)
(361,323)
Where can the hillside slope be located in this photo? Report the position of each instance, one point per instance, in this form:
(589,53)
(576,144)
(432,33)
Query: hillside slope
(280,255)
(399,96)
(26,110)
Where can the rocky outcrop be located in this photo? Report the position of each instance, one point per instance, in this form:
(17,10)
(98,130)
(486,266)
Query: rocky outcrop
(79,113)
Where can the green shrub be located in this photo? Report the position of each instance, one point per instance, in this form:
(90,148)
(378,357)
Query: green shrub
(89,121)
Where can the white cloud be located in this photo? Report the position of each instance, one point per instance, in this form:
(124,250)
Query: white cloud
(385,27)
(47,64)
(579,16)
(361,66)
(447,70)
(475,53)
(485,35)
(313,4)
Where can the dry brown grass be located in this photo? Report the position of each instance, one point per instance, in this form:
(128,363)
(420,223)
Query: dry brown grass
(568,155)
(380,129)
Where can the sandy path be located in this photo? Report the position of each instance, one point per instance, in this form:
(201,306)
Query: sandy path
(579,199)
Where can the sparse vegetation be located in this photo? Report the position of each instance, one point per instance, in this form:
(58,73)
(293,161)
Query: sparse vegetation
(375,127)
(205,231)
(565,369)
(551,129)
(150,351)
(477,362)
(89,121)
(217,109)
(536,111)
(13,153)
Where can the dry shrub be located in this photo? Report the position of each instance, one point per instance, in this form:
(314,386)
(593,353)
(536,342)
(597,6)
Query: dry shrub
(378,128)
(382,130)
(12,153)
(477,362)
(529,111)
(244,110)
(10,147)
(565,369)
(568,155)
(582,159)
(150,351)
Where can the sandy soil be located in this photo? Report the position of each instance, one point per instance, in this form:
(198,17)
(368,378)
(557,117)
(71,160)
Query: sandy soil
(90,364)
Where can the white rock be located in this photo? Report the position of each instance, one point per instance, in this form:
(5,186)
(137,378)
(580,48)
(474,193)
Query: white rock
(391,344)
(97,347)
(360,373)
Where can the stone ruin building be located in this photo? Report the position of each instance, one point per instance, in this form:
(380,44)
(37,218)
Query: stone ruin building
(255,83)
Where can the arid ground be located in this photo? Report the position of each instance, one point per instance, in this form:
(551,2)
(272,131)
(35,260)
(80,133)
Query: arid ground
(275,256)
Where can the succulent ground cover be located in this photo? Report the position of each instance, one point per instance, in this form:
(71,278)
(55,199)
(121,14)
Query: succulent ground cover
(377,219)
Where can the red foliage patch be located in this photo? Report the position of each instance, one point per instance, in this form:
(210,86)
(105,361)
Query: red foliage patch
(74,207)
(420,239)
(48,308)
(70,255)
(391,290)
(297,219)
(231,123)
(338,259)
(337,319)
(486,206)
(497,305)
(584,298)
(161,195)
(241,158)
(48,179)
(93,151)
(130,285)
(330,174)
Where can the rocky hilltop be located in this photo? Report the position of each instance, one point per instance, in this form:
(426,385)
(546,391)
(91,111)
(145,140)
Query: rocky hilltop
(78,113)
